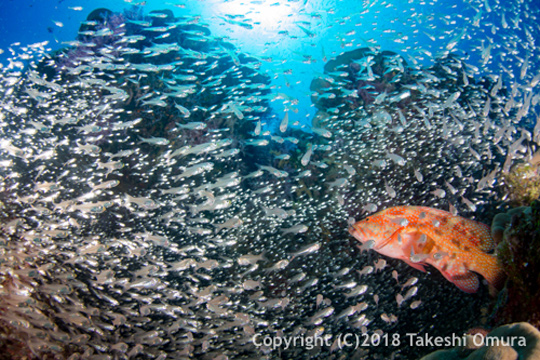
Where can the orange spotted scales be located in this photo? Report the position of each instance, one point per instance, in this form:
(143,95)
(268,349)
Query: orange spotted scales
(458,247)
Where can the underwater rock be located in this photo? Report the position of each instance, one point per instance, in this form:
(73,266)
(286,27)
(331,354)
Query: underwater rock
(519,255)
(346,58)
(501,222)
(100,15)
(503,343)
(522,183)
(318,85)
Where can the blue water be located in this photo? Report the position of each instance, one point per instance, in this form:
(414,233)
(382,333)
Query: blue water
(412,28)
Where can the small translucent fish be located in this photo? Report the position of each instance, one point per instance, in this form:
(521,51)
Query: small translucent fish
(228,153)
(349,311)
(195,170)
(143,202)
(399,300)
(277,173)
(368,245)
(323,132)
(307,156)
(309,249)
(296,229)
(318,300)
(106,185)
(254,174)
(452,190)
(400,221)
(342,272)
(176,190)
(250,259)
(361,306)
(402,118)
(388,318)
(317,318)
(341,182)
(366,270)
(257,130)
(279,212)
(380,163)
(440,193)
(155,140)
(309,283)
(155,102)
(389,190)
(412,291)
(350,169)
(347,285)
(121,153)
(418,175)
(283,157)
(396,159)
(380,265)
(320,164)
(417,258)
(410,282)
(369,207)
(297,278)
(251,285)
(415,304)
(126,124)
(284,122)
(257,142)
(192,126)
(229,224)
(451,99)
(359,290)
(291,139)
(280,265)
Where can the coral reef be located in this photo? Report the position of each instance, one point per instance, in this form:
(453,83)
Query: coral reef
(522,183)
(519,254)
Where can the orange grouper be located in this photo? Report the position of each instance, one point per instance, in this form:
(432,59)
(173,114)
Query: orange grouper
(458,247)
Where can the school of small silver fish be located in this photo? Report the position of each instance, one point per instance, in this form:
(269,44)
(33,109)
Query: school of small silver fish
(153,207)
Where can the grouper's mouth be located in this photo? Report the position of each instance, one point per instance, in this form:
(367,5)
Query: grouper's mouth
(358,233)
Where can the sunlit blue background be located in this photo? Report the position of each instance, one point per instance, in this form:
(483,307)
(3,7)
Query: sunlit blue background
(293,39)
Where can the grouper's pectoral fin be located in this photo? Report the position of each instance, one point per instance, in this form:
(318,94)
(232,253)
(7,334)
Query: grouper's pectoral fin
(402,237)
(406,238)
(391,238)
(415,251)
